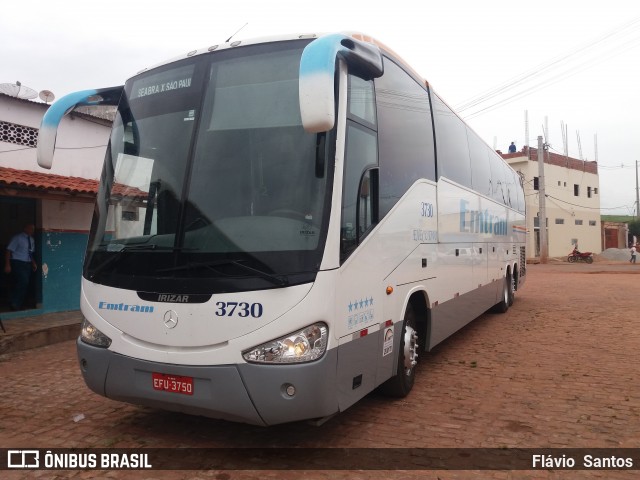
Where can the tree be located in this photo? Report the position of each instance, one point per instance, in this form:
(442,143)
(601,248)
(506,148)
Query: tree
(634,229)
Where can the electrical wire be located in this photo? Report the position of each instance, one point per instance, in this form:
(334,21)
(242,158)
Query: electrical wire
(538,69)
(57,148)
(584,207)
(544,69)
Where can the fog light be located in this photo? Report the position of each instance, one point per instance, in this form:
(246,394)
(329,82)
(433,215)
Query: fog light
(93,336)
(291,390)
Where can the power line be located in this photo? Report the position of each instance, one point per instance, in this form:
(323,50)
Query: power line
(539,69)
(57,148)
(586,208)
(600,166)
(611,167)
(545,68)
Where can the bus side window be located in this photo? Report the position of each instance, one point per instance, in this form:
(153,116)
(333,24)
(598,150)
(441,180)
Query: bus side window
(452,144)
(359,200)
(367,203)
(405,133)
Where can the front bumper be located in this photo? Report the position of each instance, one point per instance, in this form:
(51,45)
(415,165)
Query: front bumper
(247,393)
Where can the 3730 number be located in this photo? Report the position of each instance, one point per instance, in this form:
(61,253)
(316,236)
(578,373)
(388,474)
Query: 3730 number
(426,209)
(242,309)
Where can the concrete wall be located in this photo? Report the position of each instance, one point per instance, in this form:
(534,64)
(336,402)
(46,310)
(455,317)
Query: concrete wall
(580,214)
(65,230)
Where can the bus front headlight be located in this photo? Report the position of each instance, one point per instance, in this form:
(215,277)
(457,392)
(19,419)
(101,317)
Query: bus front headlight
(93,336)
(306,345)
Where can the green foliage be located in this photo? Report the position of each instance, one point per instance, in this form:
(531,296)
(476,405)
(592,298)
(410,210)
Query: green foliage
(634,228)
(617,218)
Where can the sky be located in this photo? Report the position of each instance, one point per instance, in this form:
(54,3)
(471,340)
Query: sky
(554,63)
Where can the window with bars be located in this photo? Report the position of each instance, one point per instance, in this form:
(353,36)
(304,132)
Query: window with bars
(18,134)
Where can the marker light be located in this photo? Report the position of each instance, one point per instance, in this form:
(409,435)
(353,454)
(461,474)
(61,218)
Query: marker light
(307,345)
(93,336)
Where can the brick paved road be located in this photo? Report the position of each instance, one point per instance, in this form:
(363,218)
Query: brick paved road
(560,369)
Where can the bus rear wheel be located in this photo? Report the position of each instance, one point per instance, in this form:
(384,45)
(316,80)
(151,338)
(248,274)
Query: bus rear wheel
(401,383)
(508,293)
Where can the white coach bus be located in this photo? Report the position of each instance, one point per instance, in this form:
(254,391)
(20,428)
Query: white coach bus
(284,225)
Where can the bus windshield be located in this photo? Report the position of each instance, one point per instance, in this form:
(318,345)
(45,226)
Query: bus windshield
(210,178)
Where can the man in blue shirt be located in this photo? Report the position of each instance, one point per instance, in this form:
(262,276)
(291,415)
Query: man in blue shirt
(512,148)
(19,261)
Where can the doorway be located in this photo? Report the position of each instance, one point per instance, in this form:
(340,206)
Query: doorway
(15,214)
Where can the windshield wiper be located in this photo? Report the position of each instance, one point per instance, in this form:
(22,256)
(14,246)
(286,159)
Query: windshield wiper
(117,253)
(237,263)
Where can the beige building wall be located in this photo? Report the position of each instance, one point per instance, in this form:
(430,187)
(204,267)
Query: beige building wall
(572,203)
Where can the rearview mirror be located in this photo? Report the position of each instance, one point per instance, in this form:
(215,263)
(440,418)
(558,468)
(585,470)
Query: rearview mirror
(53,116)
(317,74)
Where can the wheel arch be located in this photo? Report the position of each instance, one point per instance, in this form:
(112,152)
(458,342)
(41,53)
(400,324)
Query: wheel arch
(419,299)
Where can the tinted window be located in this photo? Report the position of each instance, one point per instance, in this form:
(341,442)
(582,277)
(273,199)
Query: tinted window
(480,167)
(405,133)
(514,189)
(498,179)
(366,203)
(521,199)
(228,189)
(452,145)
(361,154)
(361,101)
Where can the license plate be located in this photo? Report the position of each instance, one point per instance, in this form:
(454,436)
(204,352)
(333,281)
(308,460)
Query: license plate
(172,383)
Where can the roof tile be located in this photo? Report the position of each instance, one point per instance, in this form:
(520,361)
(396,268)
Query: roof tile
(11,177)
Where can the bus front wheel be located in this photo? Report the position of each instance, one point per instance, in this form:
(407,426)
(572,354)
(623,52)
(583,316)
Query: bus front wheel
(402,382)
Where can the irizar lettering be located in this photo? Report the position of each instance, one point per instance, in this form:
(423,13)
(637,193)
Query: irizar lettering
(124,307)
(173,298)
(481,221)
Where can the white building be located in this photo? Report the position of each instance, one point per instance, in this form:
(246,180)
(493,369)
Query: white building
(59,202)
(572,202)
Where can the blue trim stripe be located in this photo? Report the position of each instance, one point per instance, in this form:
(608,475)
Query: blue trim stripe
(319,57)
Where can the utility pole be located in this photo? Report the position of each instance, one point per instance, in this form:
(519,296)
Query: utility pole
(637,194)
(542,215)
(526,134)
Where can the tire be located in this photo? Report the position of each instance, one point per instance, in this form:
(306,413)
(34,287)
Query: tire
(589,259)
(571,259)
(507,295)
(512,289)
(401,383)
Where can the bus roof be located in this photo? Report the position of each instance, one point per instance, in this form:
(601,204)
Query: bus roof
(283,38)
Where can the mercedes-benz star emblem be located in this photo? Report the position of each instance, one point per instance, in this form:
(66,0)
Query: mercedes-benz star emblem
(170,319)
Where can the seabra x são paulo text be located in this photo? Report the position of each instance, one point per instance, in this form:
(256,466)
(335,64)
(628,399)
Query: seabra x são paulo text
(588,461)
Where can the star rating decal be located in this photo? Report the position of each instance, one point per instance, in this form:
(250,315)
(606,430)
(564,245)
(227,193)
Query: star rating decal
(360,304)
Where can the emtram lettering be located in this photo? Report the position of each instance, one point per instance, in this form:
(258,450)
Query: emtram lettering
(481,221)
(123,307)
